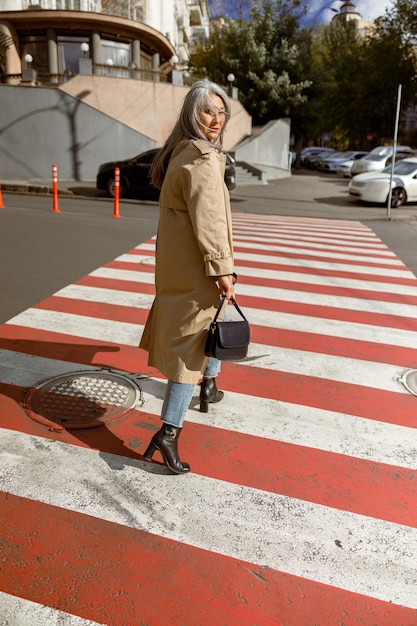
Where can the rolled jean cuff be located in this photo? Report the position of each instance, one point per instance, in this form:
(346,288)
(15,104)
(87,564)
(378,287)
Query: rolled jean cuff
(212,368)
(176,402)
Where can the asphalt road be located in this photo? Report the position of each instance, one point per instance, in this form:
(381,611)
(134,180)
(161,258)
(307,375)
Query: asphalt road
(42,251)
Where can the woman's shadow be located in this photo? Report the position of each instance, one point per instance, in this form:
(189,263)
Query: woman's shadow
(83,415)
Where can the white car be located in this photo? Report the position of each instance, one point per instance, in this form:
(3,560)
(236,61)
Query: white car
(374,186)
(379,158)
(344,168)
(332,162)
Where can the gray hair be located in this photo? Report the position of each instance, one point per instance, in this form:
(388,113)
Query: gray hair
(188,127)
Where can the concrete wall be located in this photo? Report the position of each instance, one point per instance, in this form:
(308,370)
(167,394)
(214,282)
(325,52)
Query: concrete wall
(268,149)
(40,126)
(148,107)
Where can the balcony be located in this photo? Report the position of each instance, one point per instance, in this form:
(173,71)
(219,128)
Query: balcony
(196,14)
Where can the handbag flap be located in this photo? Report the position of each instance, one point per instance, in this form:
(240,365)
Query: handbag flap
(233,334)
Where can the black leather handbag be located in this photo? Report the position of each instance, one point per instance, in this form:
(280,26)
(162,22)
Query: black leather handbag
(228,341)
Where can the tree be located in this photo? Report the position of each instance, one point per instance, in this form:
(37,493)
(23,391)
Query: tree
(402,18)
(263,52)
(363,74)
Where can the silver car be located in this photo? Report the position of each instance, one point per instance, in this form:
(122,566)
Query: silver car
(379,158)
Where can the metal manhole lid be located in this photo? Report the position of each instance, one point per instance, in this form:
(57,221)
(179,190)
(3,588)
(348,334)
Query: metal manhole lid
(409,380)
(84,399)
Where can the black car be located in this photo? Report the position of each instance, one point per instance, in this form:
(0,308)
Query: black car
(134,176)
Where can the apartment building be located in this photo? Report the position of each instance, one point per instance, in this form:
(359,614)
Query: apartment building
(125,38)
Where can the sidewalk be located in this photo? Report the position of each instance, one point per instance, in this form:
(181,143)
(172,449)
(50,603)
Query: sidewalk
(304,193)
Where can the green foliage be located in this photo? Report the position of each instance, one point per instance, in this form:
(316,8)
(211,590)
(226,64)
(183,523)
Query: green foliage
(363,78)
(263,53)
(332,79)
(402,18)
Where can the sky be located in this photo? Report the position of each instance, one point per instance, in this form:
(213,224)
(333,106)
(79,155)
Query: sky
(318,10)
(368,9)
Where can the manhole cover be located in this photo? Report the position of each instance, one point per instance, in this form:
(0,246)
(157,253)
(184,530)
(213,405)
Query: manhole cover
(82,399)
(409,380)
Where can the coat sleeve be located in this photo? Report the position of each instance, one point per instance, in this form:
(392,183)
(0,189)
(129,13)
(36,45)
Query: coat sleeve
(206,201)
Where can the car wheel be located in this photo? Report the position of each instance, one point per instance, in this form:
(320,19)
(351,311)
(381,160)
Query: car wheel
(398,198)
(123,189)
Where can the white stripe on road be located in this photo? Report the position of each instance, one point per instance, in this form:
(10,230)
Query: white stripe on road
(106,296)
(318,253)
(316,279)
(266,234)
(333,547)
(129,334)
(323,265)
(350,284)
(124,298)
(328,246)
(289,295)
(296,424)
(80,326)
(337,368)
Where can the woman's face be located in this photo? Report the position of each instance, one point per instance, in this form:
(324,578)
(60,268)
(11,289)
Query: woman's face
(212,117)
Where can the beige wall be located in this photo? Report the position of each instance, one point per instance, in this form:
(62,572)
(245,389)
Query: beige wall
(148,107)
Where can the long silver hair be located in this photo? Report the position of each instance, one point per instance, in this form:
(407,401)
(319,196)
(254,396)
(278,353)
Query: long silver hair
(188,126)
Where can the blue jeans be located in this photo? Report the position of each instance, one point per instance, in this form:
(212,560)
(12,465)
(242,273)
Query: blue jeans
(178,396)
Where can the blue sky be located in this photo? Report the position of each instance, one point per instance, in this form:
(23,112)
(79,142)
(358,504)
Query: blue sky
(318,10)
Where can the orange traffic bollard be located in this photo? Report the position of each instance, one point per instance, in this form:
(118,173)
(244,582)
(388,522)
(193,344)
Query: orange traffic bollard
(55,208)
(116,210)
(1,200)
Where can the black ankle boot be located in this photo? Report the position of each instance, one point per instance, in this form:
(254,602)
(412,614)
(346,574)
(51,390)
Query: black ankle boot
(209,393)
(166,441)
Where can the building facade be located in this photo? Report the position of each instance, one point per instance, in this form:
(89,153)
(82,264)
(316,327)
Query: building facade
(56,39)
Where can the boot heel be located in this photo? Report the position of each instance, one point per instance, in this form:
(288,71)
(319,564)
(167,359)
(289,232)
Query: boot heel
(204,405)
(150,451)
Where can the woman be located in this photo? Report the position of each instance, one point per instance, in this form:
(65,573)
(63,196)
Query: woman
(194,260)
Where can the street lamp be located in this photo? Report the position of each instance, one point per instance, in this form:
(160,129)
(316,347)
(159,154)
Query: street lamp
(85,64)
(230,80)
(29,74)
(85,48)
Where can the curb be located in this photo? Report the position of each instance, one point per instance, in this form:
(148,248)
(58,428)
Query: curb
(31,188)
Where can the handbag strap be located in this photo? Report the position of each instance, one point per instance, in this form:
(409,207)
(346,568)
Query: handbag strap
(219,308)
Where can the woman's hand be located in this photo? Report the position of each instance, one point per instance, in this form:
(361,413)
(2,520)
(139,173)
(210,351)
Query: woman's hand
(226,286)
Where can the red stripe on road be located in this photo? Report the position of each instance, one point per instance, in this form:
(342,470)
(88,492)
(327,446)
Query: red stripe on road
(330,290)
(358,400)
(103,310)
(295,340)
(339,481)
(328,312)
(306,246)
(338,346)
(334,273)
(146,252)
(132,266)
(117,575)
(116,283)
(361,401)
(273,236)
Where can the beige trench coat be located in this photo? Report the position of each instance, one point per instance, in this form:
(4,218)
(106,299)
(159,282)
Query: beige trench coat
(194,245)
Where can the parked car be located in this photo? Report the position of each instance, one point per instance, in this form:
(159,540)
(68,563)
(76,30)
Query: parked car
(134,176)
(376,162)
(378,157)
(312,154)
(333,161)
(344,169)
(374,186)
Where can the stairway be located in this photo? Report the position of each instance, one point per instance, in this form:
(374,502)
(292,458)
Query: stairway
(247,175)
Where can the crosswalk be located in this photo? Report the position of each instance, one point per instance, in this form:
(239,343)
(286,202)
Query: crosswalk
(300,507)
